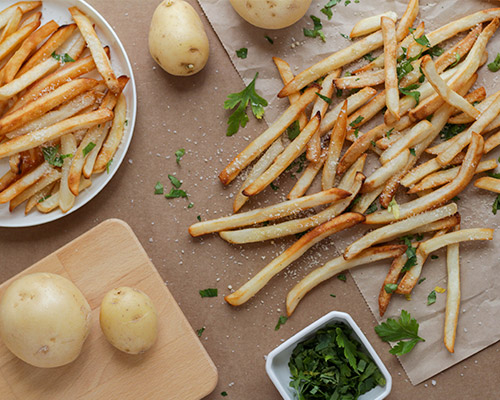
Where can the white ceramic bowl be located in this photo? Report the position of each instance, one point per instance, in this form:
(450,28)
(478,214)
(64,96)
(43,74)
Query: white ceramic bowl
(277,360)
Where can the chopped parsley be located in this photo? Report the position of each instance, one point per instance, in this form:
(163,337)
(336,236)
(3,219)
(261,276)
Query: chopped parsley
(496,205)
(53,157)
(451,130)
(345,36)
(159,188)
(293,130)
(431,298)
(317,29)
(413,152)
(281,321)
(108,164)
(390,288)
(338,93)
(88,148)
(274,187)
(198,217)
(179,154)
(411,91)
(422,40)
(211,292)
(324,98)
(388,133)
(269,39)
(65,58)
(299,162)
(190,205)
(495,65)
(332,295)
(357,121)
(176,182)
(368,57)
(44,198)
(373,143)
(457,60)
(242,53)
(434,257)
(411,253)
(240,101)
(342,277)
(223,394)
(200,331)
(176,193)
(394,208)
(435,51)
(404,330)
(372,208)
(421,280)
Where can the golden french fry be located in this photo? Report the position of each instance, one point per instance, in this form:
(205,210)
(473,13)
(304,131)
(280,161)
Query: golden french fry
(37,138)
(406,21)
(12,25)
(364,114)
(254,285)
(7,179)
(66,197)
(270,213)
(52,202)
(365,200)
(481,107)
(38,197)
(488,183)
(337,138)
(47,179)
(390,64)
(386,171)
(452,296)
(336,266)
(369,25)
(392,231)
(257,170)
(90,160)
(101,59)
(14,40)
(475,97)
(24,182)
(292,151)
(262,142)
(365,79)
(37,108)
(307,177)
(24,6)
(392,277)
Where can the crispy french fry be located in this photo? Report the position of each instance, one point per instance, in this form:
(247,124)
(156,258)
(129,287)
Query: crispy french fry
(474,97)
(444,91)
(52,202)
(257,170)
(337,138)
(369,25)
(336,266)
(7,179)
(423,170)
(442,225)
(38,197)
(13,41)
(12,24)
(392,277)
(96,48)
(365,79)
(292,151)
(90,160)
(441,195)
(390,64)
(452,296)
(390,232)
(381,175)
(270,213)
(254,285)
(37,138)
(492,142)
(66,197)
(351,181)
(307,178)
(365,200)
(364,114)
(261,143)
(44,104)
(24,6)
(23,183)
(481,107)
(488,183)
(49,178)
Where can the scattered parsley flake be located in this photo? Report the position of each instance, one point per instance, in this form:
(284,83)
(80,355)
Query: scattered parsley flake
(242,53)
(190,205)
(65,58)
(159,188)
(324,98)
(200,331)
(421,280)
(179,154)
(88,148)
(274,187)
(368,57)
(44,198)
(108,164)
(390,288)
(345,36)
(342,277)
(388,133)
(339,93)
(211,292)
(372,208)
(413,152)
(176,193)
(357,121)
(434,257)
(176,182)
(496,205)
(317,29)
(457,60)
(293,130)
(431,298)
(495,65)
(198,217)
(269,39)
(52,156)
(451,130)
(411,253)
(223,394)
(281,321)
(411,91)
(332,295)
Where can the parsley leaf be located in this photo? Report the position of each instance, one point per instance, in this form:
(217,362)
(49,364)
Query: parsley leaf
(223,394)
(65,58)
(200,331)
(371,209)
(431,299)
(394,208)
(413,151)
(198,217)
(179,154)
(190,205)
(317,29)
(176,193)
(52,156)
(242,53)
(274,187)
(400,330)
(390,287)
(457,60)
(357,121)
(269,39)
(159,188)
(434,257)
(411,91)
(88,148)
(176,182)
(388,133)
(342,277)
(495,65)
(293,130)
(435,51)
(421,280)
(368,57)
(451,130)
(411,254)
(240,100)
(496,205)
(324,98)
(281,321)
(211,292)
(108,164)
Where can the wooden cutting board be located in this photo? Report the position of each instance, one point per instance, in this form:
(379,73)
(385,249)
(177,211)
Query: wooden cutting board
(177,367)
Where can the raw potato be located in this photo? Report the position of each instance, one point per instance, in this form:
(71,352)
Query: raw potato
(271,14)
(129,320)
(177,39)
(44,319)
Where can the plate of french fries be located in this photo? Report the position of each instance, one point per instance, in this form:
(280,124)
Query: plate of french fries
(67,108)
(417,110)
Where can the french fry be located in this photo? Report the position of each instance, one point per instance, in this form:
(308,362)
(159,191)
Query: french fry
(481,107)
(307,177)
(257,170)
(254,285)
(66,197)
(38,197)
(441,195)
(12,24)
(351,181)
(337,138)
(24,6)
(354,102)
(365,79)
(488,183)
(51,203)
(369,25)
(37,138)
(24,182)
(262,142)
(101,59)
(452,296)
(448,95)
(13,41)
(443,177)
(390,64)
(115,136)
(492,142)
(406,21)
(425,169)
(474,97)
(7,179)
(336,266)
(44,104)
(90,160)
(290,153)
(49,178)
(382,174)
(270,213)
(392,231)
(443,225)
(48,48)
(349,54)
(320,107)
(364,114)
(365,200)
(392,277)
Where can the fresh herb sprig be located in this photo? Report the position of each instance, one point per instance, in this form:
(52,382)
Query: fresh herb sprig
(404,330)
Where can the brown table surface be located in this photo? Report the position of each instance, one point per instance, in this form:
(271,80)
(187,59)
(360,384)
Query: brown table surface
(187,113)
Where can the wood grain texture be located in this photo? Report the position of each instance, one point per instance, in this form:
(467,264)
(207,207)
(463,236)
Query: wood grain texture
(176,368)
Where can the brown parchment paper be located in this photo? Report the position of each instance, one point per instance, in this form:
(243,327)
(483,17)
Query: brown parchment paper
(480,262)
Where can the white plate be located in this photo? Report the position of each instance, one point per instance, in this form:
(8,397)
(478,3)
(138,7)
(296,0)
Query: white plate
(58,11)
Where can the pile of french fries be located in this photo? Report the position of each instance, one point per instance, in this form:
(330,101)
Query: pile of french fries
(58,126)
(331,138)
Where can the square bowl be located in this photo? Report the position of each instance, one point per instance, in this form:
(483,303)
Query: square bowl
(277,360)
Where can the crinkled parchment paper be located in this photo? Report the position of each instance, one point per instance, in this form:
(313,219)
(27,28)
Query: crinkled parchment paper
(480,262)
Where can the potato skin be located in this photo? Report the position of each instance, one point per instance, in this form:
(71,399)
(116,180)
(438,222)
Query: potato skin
(271,14)
(177,39)
(44,320)
(129,320)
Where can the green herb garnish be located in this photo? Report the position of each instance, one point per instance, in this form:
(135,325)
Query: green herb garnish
(281,321)
(269,39)
(88,148)
(324,98)
(342,277)
(317,29)
(223,394)
(373,207)
(495,65)
(413,152)
(176,193)
(368,57)
(176,182)
(242,53)
(421,280)
(65,58)
(200,331)
(431,299)
(211,292)
(390,287)
(411,91)
(404,330)
(190,205)
(388,133)
(357,121)
(496,205)
(52,156)
(293,130)
(274,187)
(451,130)
(434,257)
(108,164)
(179,154)
(411,253)
(159,188)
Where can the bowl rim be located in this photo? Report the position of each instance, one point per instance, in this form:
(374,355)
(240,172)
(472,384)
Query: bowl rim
(313,327)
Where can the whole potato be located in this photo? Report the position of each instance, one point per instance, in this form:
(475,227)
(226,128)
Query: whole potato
(271,14)
(129,320)
(44,320)
(177,39)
